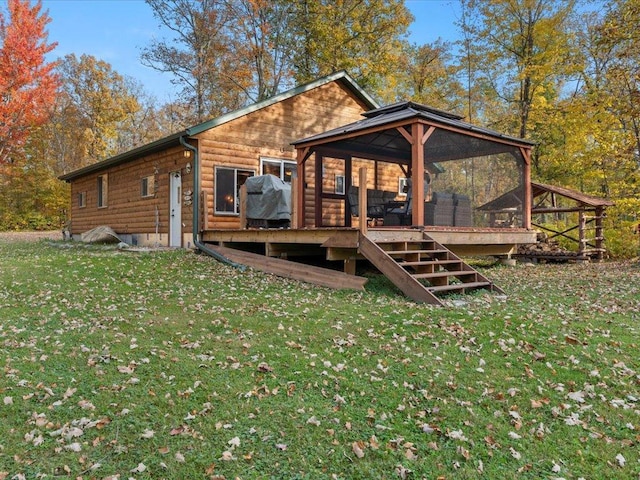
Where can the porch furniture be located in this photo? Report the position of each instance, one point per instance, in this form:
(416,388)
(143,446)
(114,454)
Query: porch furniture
(376,201)
(462,215)
(439,210)
(399,213)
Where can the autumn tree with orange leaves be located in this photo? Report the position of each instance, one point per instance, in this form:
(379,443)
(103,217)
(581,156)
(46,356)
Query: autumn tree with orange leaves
(27,82)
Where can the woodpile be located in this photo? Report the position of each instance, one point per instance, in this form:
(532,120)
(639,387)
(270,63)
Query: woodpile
(546,250)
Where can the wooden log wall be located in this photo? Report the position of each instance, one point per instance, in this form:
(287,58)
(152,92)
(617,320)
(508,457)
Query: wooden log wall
(268,132)
(380,176)
(126,211)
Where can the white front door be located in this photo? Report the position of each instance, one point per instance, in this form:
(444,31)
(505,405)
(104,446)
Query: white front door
(175,209)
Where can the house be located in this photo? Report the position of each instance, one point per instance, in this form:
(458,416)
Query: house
(398,186)
(147,195)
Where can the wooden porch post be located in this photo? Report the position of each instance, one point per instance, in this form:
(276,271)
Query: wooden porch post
(301,156)
(294,202)
(348,172)
(243,207)
(318,180)
(362,200)
(528,200)
(417,173)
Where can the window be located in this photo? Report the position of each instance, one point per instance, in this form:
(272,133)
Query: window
(402,186)
(339,184)
(283,169)
(82,199)
(103,185)
(147,186)
(228,183)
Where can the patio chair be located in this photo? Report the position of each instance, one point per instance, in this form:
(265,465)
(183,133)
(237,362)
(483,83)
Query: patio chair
(399,213)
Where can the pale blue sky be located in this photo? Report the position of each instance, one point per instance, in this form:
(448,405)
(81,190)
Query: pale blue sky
(116,31)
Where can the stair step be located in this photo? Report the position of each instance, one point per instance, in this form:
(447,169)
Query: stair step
(409,252)
(405,242)
(459,286)
(429,262)
(443,273)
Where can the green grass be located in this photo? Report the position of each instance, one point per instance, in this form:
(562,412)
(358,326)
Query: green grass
(171,365)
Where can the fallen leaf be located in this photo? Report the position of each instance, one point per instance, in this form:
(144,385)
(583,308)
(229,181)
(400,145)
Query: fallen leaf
(356,447)
(515,454)
(409,454)
(139,469)
(227,456)
(314,421)
(74,447)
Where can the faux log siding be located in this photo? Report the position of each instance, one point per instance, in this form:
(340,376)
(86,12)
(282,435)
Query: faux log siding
(268,133)
(333,210)
(127,211)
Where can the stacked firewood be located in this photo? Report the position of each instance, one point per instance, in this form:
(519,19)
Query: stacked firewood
(544,247)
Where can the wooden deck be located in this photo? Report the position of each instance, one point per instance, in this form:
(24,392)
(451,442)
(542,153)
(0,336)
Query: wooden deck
(341,243)
(421,262)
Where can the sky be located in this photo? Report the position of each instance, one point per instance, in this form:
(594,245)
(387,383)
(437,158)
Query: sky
(116,31)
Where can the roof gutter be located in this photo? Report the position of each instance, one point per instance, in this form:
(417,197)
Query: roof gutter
(196,210)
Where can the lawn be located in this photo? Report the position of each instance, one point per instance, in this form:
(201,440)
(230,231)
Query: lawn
(168,364)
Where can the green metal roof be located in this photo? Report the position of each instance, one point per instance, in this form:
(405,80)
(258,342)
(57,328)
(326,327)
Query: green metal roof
(174,140)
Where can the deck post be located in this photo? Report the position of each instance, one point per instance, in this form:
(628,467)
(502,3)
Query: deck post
(243,207)
(294,202)
(528,193)
(362,200)
(350,266)
(417,174)
(301,156)
(317,195)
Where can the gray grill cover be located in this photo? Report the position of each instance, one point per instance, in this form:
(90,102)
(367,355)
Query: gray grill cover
(268,198)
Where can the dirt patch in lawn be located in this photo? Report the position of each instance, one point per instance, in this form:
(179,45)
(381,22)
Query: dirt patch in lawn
(30,236)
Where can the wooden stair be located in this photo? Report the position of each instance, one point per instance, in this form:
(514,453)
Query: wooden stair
(423,268)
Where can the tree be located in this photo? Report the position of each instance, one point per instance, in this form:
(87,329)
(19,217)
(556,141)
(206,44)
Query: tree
(430,77)
(364,37)
(197,56)
(526,51)
(261,40)
(95,111)
(228,53)
(27,83)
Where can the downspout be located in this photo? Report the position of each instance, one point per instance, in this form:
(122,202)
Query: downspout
(196,210)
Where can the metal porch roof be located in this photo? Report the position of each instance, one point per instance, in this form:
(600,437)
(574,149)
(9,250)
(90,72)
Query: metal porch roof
(453,138)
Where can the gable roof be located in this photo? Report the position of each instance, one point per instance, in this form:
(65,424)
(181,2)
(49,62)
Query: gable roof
(173,140)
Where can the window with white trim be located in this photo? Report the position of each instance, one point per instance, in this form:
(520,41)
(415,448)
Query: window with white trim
(147,186)
(283,169)
(82,199)
(103,188)
(402,186)
(228,183)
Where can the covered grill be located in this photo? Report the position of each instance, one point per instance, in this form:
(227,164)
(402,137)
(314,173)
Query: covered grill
(268,202)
